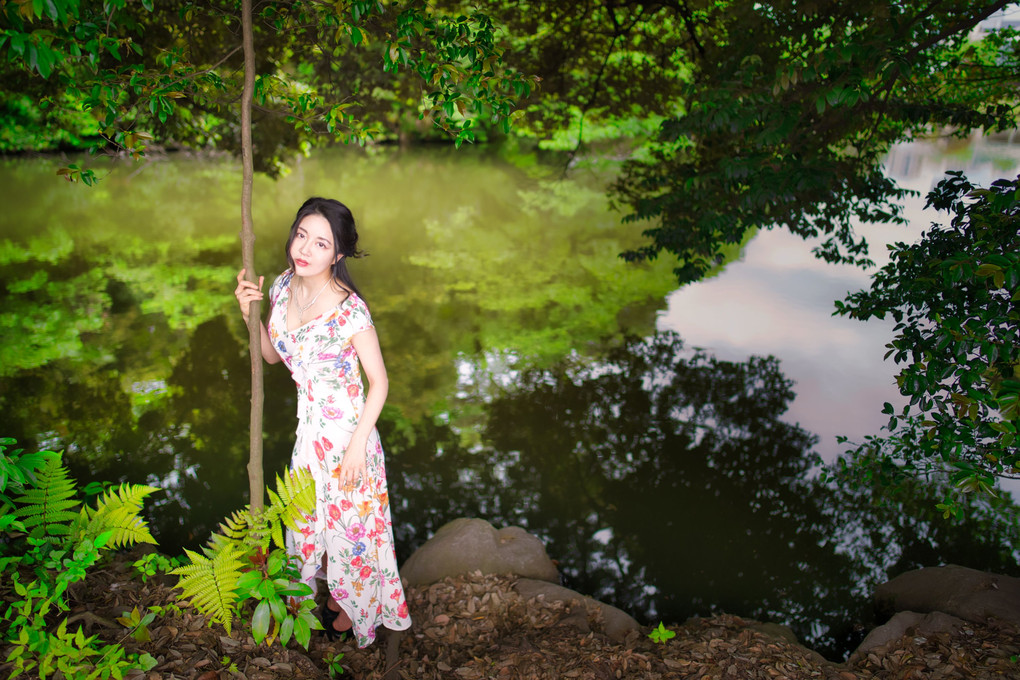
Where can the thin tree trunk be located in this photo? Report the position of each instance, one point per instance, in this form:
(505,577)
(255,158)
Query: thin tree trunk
(256,483)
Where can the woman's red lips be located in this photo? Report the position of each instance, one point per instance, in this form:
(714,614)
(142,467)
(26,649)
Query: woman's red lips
(300,263)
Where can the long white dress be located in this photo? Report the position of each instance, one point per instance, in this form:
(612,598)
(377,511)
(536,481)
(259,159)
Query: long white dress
(351,525)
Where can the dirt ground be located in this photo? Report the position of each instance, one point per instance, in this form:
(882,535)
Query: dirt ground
(479,627)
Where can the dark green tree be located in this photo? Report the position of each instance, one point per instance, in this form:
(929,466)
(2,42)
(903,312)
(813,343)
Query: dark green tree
(171,73)
(955,297)
(788,113)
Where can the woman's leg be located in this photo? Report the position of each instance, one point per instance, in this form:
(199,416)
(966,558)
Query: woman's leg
(342,622)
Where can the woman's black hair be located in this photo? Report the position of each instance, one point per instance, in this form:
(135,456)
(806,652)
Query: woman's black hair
(345,235)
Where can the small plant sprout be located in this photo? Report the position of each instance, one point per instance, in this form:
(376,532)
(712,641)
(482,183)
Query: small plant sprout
(137,623)
(661,634)
(333,664)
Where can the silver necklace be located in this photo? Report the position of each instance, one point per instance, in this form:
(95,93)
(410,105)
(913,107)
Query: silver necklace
(302,309)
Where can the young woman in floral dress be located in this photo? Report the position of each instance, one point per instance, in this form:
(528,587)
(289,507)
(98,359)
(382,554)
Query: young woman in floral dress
(321,329)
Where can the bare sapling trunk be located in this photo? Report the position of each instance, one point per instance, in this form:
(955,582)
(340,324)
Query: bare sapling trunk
(256,482)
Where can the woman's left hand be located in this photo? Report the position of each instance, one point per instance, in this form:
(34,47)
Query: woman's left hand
(352,467)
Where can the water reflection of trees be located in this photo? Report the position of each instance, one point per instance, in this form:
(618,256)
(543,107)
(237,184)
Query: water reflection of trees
(187,443)
(161,240)
(665,481)
(662,479)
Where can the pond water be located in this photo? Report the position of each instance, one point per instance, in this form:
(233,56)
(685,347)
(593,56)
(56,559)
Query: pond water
(535,378)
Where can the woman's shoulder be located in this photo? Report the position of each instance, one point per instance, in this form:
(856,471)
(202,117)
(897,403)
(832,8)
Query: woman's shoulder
(354,306)
(279,284)
(354,302)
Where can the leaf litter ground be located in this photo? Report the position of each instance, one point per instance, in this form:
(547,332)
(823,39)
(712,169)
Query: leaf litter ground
(478,626)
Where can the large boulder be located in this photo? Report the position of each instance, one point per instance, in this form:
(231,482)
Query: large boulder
(965,593)
(616,623)
(902,624)
(465,545)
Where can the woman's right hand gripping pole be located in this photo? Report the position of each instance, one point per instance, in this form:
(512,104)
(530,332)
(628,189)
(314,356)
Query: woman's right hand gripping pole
(246,293)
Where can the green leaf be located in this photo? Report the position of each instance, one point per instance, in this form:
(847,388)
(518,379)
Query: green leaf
(661,634)
(295,589)
(103,538)
(277,608)
(286,630)
(260,622)
(302,631)
(266,590)
(249,580)
(275,563)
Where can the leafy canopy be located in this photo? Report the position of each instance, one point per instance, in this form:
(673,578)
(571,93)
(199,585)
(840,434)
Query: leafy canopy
(128,75)
(789,112)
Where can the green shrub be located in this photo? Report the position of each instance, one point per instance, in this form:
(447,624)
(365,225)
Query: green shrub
(240,564)
(50,540)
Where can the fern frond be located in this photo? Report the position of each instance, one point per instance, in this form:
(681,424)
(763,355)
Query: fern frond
(210,579)
(296,493)
(51,505)
(218,542)
(244,527)
(259,531)
(237,526)
(293,499)
(117,510)
(276,531)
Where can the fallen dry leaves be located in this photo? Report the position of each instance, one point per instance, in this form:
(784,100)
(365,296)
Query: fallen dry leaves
(477,626)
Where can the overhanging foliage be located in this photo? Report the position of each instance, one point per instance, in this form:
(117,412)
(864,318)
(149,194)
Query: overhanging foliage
(791,109)
(955,297)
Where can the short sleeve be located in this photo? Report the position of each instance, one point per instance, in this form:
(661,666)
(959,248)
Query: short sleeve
(277,288)
(360,318)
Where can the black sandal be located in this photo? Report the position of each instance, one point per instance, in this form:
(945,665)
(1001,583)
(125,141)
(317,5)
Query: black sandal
(327,616)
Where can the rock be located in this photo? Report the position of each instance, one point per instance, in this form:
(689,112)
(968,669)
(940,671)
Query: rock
(890,631)
(776,630)
(939,622)
(966,593)
(781,632)
(617,623)
(466,545)
(902,624)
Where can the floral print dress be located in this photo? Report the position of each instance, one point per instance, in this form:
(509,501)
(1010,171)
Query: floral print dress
(351,525)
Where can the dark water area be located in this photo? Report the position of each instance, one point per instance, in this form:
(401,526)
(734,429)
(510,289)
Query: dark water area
(528,385)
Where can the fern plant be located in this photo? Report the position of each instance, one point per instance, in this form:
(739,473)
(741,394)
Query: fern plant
(49,543)
(293,499)
(240,563)
(17,471)
(117,511)
(48,509)
(210,581)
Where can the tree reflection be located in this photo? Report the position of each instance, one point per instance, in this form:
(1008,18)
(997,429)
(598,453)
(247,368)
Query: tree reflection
(187,443)
(663,480)
(666,482)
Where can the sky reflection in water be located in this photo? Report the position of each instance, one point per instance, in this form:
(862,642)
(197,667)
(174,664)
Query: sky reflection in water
(778,299)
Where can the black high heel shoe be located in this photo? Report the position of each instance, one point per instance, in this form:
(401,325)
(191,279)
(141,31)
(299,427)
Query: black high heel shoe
(327,616)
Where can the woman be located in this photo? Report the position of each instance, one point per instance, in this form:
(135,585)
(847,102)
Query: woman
(321,328)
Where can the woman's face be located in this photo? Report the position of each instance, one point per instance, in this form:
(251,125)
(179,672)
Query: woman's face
(312,249)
